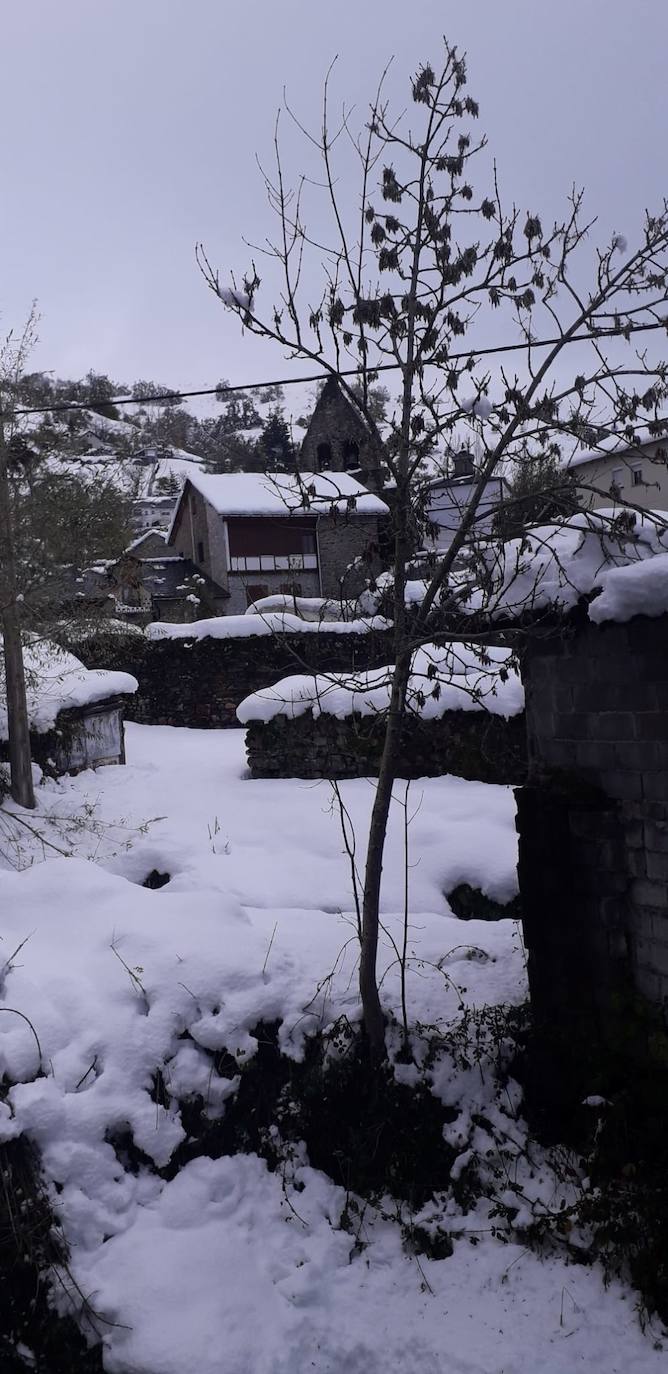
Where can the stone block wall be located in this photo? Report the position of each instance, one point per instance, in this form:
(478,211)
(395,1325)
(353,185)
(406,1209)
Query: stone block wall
(471,744)
(200,682)
(593,820)
(343,539)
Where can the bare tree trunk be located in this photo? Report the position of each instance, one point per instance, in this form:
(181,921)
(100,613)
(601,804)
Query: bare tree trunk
(374,1020)
(20,762)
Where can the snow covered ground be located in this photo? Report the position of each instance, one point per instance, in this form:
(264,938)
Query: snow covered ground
(221,1270)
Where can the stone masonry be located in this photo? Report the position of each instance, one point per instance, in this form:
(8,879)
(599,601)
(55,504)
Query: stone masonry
(200,682)
(471,744)
(593,820)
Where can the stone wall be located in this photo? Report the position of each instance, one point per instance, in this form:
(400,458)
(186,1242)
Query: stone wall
(471,744)
(200,682)
(593,821)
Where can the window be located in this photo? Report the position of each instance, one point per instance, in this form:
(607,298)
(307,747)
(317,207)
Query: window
(272,545)
(636,476)
(618,477)
(200,551)
(351,454)
(255,592)
(274,562)
(324,454)
(291,588)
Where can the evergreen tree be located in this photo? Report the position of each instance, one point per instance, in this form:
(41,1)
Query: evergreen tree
(275,444)
(540,491)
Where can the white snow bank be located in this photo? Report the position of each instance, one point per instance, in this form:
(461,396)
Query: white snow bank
(639,589)
(55,680)
(271,623)
(113,973)
(217,1275)
(453,677)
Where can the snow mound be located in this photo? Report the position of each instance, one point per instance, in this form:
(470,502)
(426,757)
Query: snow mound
(456,677)
(270,623)
(318,608)
(620,562)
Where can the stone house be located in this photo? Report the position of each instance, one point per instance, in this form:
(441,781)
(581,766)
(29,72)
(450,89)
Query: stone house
(339,438)
(638,474)
(150,583)
(255,534)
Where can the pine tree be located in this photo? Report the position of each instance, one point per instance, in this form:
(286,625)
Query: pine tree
(275,444)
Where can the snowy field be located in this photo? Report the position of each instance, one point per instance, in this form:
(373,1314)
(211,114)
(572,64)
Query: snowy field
(222,1270)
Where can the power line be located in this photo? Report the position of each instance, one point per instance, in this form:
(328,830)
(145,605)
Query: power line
(223,391)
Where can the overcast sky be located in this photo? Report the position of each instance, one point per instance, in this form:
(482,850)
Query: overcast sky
(131,127)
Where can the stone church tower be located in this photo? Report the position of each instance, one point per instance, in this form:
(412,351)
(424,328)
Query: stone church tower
(339,439)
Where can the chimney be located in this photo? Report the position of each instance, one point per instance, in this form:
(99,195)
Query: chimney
(462,465)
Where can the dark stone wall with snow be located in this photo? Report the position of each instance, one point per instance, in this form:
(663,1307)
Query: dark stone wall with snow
(471,744)
(200,682)
(593,823)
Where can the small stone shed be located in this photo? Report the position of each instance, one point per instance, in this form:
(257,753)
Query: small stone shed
(593,818)
(464,716)
(593,815)
(75,714)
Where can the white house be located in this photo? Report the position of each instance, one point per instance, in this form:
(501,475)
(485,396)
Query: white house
(449,497)
(619,474)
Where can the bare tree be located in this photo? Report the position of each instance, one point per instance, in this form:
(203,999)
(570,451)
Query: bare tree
(11,365)
(417,263)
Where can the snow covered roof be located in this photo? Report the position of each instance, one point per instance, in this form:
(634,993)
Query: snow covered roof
(142,538)
(453,677)
(622,445)
(56,680)
(282,494)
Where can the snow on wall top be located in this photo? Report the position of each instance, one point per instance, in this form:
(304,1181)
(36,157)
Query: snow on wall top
(271,623)
(56,680)
(318,608)
(453,677)
(623,564)
(281,494)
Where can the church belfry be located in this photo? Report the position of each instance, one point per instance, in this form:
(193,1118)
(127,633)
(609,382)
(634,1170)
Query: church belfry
(339,439)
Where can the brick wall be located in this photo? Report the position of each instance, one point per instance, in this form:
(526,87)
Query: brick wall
(593,820)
